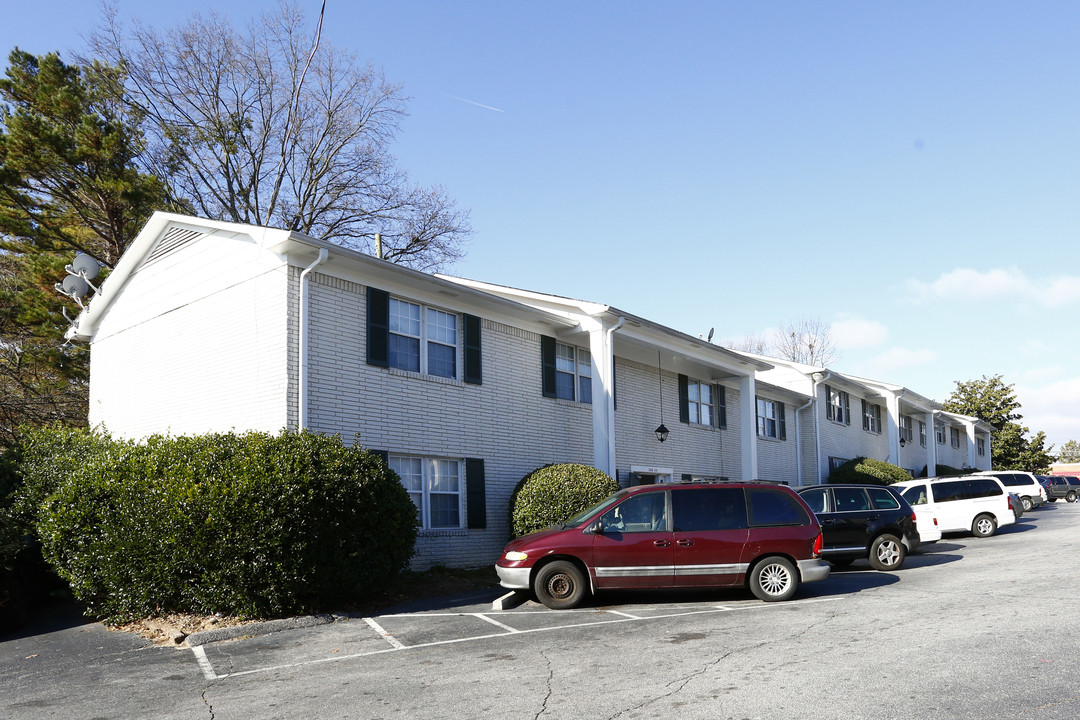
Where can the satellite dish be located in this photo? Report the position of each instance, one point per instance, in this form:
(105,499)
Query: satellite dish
(710,333)
(74,286)
(85,266)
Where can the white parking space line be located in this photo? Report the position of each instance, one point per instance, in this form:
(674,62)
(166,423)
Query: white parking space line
(398,646)
(494,622)
(386,636)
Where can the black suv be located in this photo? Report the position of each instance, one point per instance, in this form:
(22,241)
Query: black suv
(863,521)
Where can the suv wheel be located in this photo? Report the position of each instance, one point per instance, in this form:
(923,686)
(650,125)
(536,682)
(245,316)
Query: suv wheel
(984,526)
(886,553)
(774,578)
(560,585)
(1026,502)
(1071,497)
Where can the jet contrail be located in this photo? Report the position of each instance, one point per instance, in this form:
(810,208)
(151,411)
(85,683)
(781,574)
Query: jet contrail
(472,102)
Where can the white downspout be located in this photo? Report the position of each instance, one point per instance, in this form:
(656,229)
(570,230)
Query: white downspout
(817,427)
(301,422)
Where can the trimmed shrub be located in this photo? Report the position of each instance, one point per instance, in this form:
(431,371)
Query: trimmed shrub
(253,525)
(554,493)
(946,471)
(868,471)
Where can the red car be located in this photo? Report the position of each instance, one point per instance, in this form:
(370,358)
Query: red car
(672,536)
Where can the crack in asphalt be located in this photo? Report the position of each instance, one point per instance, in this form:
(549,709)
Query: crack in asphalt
(550,685)
(207,703)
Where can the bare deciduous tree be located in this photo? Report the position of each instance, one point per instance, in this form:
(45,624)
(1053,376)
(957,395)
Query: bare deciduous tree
(806,340)
(272,127)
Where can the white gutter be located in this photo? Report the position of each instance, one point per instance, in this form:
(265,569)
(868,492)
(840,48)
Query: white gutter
(301,422)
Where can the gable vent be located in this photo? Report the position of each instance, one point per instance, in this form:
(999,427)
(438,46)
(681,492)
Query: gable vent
(172,241)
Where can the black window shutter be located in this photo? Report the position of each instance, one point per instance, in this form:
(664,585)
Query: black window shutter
(614,386)
(383,454)
(473,357)
(865,420)
(378,327)
(687,477)
(475,494)
(847,409)
(684,399)
(718,420)
(829,415)
(781,421)
(547,363)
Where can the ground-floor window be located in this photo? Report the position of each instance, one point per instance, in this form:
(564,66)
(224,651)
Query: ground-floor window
(434,484)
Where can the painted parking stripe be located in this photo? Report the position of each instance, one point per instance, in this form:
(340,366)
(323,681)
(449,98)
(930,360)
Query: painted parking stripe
(386,636)
(398,646)
(494,622)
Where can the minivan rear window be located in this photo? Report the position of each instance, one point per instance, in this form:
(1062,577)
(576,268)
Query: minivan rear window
(772,507)
(707,509)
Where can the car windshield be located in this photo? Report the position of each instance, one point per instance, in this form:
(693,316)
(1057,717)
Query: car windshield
(597,508)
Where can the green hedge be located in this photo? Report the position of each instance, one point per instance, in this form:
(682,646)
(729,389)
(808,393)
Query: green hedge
(554,493)
(254,524)
(946,471)
(868,471)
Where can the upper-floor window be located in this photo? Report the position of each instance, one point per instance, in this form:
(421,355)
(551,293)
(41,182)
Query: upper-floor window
(434,485)
(980,443)
(871,417)
(770,419)
(837,405)
(906,433)
(939,432)
(423,337)
(573,373)
(954,437)
(699,397)
(922,433)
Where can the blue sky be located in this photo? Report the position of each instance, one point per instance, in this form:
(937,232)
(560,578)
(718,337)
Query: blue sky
(907,172)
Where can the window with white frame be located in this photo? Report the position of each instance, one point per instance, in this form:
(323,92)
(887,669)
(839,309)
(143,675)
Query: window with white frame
(939,432)
(906,433)
(922,433)
(980,444)
(871,417)
(573,373)
(954,437)
(770,419)
(434,485)
(837,406)
(836,462)
(423,337)
(699,397)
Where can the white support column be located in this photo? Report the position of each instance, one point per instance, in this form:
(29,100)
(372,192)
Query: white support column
(931,445)
(970,427)
(601,347)
(892,424)
(748,422)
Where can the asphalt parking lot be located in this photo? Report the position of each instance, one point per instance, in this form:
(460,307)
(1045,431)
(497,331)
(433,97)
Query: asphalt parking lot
(970,628)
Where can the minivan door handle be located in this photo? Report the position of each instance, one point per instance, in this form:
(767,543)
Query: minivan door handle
(662,543)
(685,543)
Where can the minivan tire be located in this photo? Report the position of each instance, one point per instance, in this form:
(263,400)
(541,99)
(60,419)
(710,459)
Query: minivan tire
(560,585)
(984,526)
(1026,502)
(774,578)
(887,553)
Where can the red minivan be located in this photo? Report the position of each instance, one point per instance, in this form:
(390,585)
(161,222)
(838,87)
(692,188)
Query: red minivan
(672,536)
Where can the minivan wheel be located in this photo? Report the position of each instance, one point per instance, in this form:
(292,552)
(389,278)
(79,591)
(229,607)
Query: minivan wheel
(560,585)
(774,578)
(886,553)
(984,526)
(1026,502)
(1071,497)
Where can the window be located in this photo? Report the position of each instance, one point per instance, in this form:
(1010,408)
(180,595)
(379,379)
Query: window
(422,337)
(835,462)
(871,417)
(773,507)
(645,512)
(567,371)
(882,499)
(770,419)
(708,510)
(922,433)
(851,500)
(954,437)
(837,406)
(699,396)
(435,488)
(980,444)
(905,429)
(939,433)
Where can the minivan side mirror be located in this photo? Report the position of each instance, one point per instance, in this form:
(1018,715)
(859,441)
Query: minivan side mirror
(597,528)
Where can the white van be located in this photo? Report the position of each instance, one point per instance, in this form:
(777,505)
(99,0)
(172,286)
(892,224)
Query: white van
(970,503)
(1024,484)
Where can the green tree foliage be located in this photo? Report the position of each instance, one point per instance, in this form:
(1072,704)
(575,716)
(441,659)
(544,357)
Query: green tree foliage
(1070,452)
(868,471)
(553,493)
(250,524)
(990,399)
(69,181)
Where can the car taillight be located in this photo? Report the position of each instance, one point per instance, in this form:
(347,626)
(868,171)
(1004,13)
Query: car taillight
(818,544)
(935,521)
(914,520)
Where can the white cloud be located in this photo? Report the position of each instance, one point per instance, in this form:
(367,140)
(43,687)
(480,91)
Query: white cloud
(968,284)
(850,331)
(1052,408)
(885,364)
